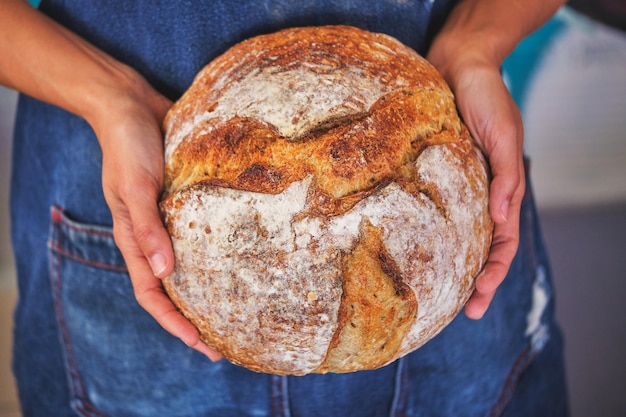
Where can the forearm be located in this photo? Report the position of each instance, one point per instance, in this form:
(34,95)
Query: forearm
(491,28)
(46,61)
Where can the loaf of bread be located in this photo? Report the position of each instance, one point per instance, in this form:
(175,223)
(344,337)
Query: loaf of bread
(326,204)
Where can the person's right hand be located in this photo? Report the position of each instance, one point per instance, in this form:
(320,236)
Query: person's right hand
(132,173)
(45,60)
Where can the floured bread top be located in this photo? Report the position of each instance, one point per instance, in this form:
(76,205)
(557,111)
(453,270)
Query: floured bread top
(327,206)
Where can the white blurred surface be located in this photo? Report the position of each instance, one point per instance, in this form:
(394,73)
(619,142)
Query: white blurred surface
(575,117)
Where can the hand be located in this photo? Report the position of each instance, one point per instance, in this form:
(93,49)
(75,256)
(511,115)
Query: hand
(495,122)
(468,51)
(132,174)
(39,59)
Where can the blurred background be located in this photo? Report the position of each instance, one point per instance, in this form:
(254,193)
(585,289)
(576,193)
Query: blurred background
(569,79)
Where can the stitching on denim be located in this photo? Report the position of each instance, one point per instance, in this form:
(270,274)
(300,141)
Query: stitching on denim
(279,396)
(58,216)
(88,410)
(77,390)
(59,249)
(516,372)
(274,395)
(55,272)
(71,368)
(59,219)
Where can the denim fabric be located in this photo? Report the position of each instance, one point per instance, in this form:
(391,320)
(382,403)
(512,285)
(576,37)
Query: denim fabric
(476,368)
(169,41)
(84,347)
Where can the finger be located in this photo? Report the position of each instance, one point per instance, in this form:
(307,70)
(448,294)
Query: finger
(505,239)
(150,294)
(154,259)
(148,229)
(478,304)
(206,351)
(151,297)
(505,186)
(506,163)
(503,250)
(504,246)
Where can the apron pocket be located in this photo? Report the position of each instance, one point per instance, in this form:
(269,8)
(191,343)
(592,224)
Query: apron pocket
(119,361)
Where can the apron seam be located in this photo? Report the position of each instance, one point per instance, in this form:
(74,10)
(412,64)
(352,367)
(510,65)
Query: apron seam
(279,387)
(401,389)
(77,391)
(508,389)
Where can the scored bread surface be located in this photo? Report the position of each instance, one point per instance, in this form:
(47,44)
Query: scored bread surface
(327,206)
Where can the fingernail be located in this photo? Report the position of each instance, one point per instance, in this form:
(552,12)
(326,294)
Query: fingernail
(504,210)
(205,350)
(158,264)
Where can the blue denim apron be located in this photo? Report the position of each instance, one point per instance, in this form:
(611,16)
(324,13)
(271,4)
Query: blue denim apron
(83,346)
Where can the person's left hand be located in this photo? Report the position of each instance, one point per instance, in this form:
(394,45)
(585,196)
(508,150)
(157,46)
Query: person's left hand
(494,121)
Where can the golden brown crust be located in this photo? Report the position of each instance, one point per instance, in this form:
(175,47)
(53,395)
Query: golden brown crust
(377,308)
(319,177)
(347,152)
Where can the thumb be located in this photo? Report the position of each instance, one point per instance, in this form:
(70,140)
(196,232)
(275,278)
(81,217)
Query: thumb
(508,178)
(150,234)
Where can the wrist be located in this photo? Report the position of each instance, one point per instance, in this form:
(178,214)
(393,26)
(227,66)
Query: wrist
(119,95)
(116,89)
(455,57)
(485,32)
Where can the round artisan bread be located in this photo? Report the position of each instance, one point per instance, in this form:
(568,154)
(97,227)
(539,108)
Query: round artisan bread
(326,204)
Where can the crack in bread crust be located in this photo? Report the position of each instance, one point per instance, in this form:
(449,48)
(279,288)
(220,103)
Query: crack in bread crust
(377,307)
(348,156)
